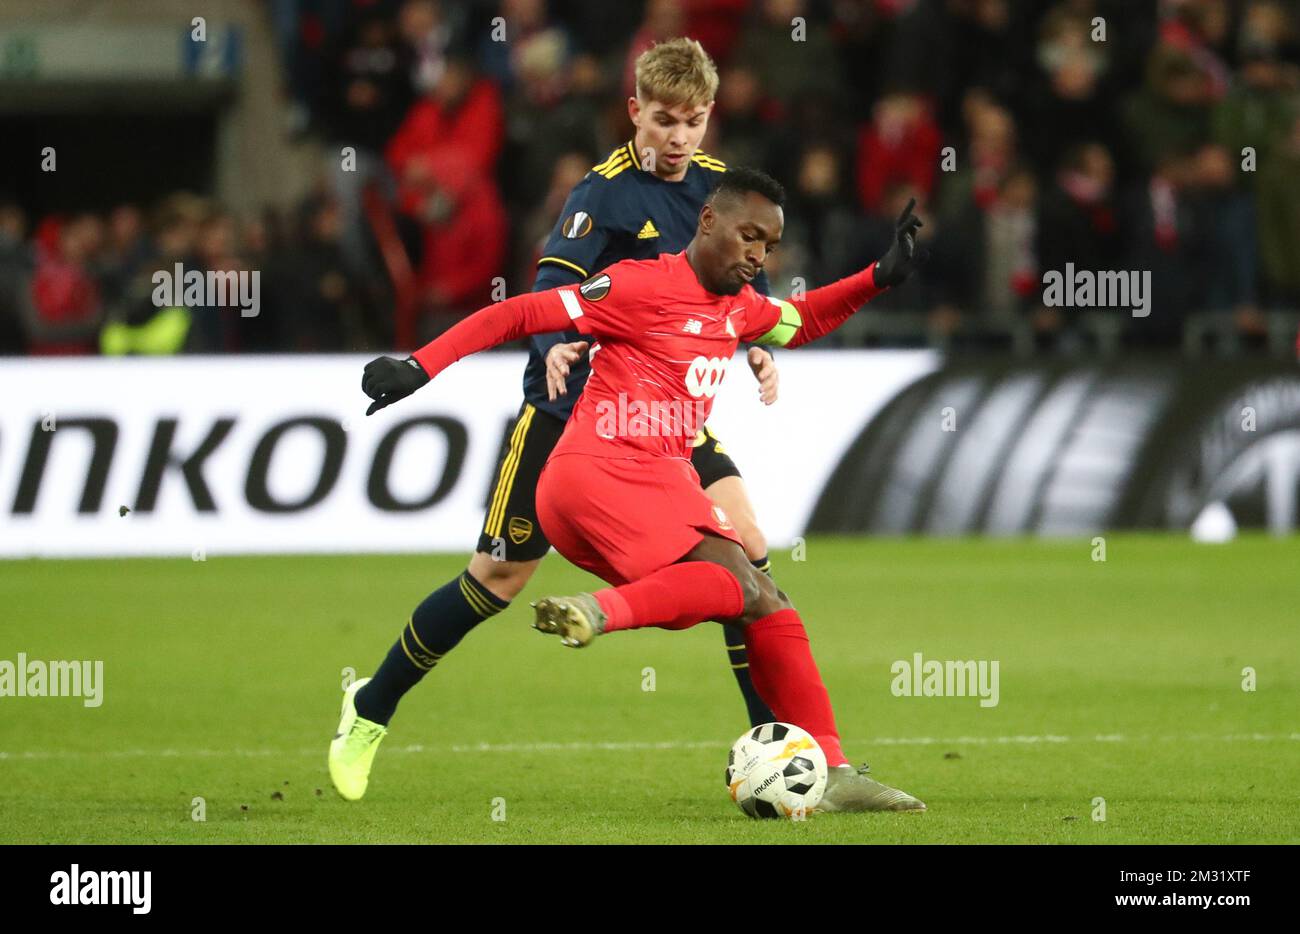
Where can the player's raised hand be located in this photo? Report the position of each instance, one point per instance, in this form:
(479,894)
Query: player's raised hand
(764,369)
(558,361)
(386,380)
(903,257)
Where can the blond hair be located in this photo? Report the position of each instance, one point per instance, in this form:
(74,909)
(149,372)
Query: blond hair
(676,72)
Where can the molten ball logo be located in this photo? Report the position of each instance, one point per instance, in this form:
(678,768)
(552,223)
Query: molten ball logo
(766,783)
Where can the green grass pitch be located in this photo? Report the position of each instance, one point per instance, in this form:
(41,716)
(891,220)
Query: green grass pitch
(1119,680)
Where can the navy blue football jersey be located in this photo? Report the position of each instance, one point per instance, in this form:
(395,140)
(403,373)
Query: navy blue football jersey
(618,211)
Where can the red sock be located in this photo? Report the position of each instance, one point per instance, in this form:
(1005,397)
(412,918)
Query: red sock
(785,675)
(675,597)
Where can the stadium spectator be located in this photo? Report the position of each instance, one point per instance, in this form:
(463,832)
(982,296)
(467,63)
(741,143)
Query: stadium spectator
(428,31)
(793,53)
(1225,215)
(1078,217)
(464,233)
(1068,100)
(1161,236)
(16,264)
(216,328)
(303,33)
(527,51)
(983,163)
(1270,29)
(461,114)
(1279,219)
(716,24)
(556,110)
(899,145)
(983,282)
(1199,29)
(741,127)
(315,305)
(125,253)
(1256,112)
(369,93)
(135,324)
(980,48)
(1010,280)
(819,218)
(1171,113)
(66,306)
(444,157)
(369,88)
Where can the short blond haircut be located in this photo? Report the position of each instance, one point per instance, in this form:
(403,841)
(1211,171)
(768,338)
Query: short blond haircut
(677,72)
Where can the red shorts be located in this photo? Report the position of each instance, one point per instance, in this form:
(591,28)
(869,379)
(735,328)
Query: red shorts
(623,519)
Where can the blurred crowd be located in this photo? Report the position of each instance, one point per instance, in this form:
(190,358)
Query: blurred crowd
(1107,134)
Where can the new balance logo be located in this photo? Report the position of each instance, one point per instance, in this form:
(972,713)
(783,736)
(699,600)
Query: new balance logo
(693,326)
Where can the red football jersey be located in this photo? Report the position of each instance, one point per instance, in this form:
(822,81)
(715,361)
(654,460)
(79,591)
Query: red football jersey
(661,349)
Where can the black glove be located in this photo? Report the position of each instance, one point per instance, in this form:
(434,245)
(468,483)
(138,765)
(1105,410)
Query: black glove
(386,380)
(902,258)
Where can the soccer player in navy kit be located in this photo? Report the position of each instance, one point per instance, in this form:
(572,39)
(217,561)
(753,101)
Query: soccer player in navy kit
(644,199)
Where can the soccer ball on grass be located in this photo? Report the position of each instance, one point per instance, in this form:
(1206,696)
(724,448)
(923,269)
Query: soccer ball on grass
(776,770)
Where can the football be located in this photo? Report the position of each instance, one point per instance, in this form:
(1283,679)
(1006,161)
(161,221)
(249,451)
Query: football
(776,770)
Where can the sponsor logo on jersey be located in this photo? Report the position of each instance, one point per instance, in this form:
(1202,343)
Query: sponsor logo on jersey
(648,231)
(693,327)
(595,288)
(704,375)
(576,225)
(520,529)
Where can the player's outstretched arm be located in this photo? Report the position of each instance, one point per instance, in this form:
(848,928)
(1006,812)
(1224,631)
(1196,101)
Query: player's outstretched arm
(816,314)
(387,379)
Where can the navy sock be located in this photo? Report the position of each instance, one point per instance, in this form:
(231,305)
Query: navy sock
(437,624)
(759,712)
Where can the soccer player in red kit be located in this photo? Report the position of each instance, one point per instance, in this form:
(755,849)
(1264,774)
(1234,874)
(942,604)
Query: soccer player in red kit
(618,496)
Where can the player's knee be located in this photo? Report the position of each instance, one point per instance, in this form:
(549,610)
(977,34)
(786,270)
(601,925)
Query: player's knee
(762,598)
(505,579)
